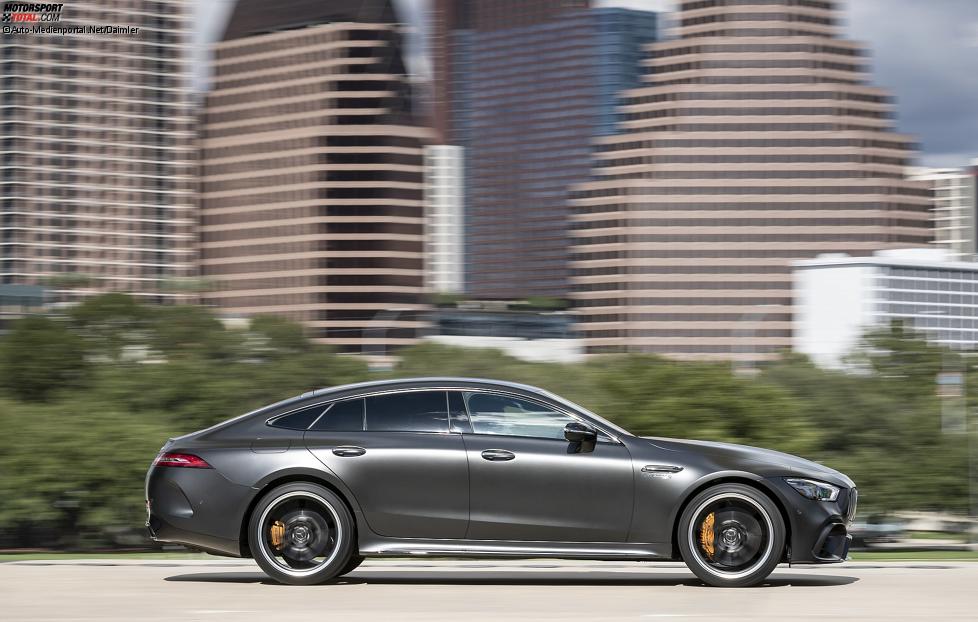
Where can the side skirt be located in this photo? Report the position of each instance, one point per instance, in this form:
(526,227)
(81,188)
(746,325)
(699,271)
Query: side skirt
(416,547)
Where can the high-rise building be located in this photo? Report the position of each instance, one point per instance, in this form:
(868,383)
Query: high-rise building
(754,141)
(312,173)
(955,207)
(444,188)
(525,86)
(97,151)
(841,298)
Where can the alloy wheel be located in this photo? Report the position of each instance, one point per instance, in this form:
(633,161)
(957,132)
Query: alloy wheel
(300,533)
(731,535)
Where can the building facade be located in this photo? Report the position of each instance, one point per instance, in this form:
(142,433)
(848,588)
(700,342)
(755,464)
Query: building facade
(312,174)
(97,153)
(840,298)
(755,140)
(954,209)
(525,87)
(444,218)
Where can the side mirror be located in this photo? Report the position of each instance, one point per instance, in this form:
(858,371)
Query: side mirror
(579,433)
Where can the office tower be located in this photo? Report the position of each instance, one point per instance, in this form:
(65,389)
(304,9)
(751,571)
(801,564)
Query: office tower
(955,202)
(525,87)
(444,230)
(755,140)
(312,173)
(97,153)
(841,298)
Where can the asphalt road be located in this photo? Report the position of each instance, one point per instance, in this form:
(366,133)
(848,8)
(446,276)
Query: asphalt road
(394,590)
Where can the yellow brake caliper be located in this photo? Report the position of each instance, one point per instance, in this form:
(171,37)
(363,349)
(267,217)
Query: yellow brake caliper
(707,535)
(277,533)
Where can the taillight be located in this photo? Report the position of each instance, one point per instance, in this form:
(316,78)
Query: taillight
(173,459)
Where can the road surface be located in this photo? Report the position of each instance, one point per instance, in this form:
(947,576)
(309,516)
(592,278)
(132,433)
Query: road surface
(395,590)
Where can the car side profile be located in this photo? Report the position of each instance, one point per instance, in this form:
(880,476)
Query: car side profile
(311,486)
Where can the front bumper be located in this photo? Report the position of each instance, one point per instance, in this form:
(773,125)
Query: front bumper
(819,529)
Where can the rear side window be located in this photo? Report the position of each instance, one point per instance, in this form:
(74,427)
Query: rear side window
(299,420)
(416,411)
(344,416)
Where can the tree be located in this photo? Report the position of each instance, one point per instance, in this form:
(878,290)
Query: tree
(39,357)
(110,323)
(279,337)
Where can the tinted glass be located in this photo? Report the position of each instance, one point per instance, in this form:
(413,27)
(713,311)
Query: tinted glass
(345,416)
(299,420)
(457,417)
(491,413)
(417,411)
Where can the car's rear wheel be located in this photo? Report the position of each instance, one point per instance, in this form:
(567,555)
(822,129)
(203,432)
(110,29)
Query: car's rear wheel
(302,534)
(731,535)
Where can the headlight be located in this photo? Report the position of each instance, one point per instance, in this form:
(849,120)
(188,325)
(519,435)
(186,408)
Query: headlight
(818,491)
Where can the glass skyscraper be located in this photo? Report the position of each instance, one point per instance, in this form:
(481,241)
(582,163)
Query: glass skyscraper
(525,88)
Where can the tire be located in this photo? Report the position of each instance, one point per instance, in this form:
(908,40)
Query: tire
(731,535)
(355,561)
(301,534)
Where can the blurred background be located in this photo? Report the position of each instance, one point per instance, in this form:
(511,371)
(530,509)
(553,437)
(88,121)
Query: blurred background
(750,221)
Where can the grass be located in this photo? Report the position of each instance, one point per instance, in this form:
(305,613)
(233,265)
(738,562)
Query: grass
(937,535)
(895,556)
(55,555)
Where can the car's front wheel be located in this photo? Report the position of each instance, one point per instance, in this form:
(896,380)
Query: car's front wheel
(302,534)
(731,535)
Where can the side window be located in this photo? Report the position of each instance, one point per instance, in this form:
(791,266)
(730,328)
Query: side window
(491,413)
(414,411)
(299,420)
(345,416)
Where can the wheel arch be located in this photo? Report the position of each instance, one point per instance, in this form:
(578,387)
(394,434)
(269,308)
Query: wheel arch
(290,477)
(733,477)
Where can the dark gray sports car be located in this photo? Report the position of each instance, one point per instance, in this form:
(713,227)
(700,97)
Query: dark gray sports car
(310,486)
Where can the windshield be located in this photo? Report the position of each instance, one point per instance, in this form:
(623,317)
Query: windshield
(604,422)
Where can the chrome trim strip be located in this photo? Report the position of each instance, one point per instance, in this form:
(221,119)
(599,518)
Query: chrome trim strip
(558,407)
(501,549)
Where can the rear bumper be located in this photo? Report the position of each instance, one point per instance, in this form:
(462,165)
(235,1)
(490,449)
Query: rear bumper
(198,508)
(162,531)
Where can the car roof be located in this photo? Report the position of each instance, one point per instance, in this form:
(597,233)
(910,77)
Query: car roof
(419,382)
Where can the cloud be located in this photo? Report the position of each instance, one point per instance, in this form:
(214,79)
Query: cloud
(924,53)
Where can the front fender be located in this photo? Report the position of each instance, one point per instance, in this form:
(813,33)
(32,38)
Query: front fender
(660,500)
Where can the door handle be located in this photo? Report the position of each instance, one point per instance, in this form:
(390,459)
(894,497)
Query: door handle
(349,451)
(498,454)
(661,468)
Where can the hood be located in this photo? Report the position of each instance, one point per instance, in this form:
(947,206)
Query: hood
(733,456)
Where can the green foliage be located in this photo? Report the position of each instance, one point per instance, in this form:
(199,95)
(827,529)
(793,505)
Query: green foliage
(40,357)
(280,337)
(92,395)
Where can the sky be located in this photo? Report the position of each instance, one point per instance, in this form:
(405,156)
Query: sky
(924,51)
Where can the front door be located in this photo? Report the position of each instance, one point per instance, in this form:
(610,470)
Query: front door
(528,483)
(394,451)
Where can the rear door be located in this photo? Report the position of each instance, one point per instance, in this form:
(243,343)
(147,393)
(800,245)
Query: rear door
(528,483)
(395,452)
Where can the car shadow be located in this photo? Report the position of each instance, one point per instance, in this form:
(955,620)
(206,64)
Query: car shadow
(465,577)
